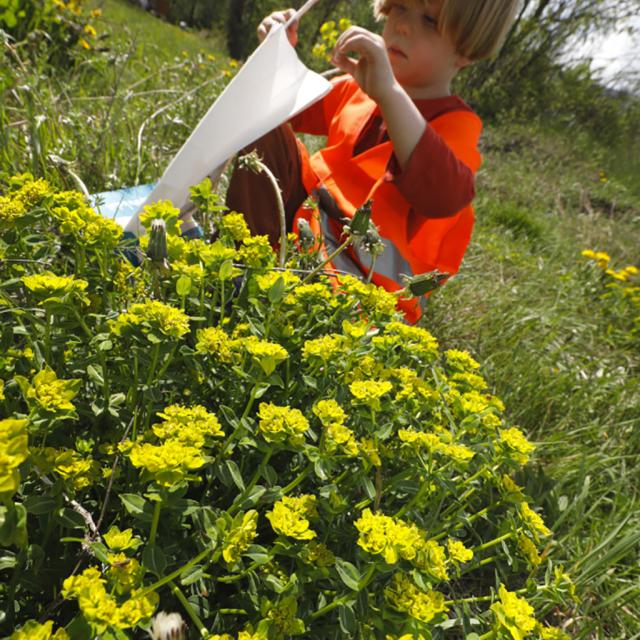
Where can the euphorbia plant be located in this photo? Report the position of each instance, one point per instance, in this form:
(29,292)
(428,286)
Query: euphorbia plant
(273,454)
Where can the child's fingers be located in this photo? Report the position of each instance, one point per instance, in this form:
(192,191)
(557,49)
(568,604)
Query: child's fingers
(345,63)
(273,20)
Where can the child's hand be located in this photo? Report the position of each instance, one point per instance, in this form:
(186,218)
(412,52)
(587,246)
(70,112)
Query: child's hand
(276,18)
(372,71)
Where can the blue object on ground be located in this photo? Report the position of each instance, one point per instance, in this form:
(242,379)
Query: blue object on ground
(120,205)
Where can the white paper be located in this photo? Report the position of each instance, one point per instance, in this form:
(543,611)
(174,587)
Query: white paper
(271,87)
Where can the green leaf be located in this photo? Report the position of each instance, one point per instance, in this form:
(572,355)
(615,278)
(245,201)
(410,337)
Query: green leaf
(95,373)
(276,292)
(226,270)
(191,575)
(39,505)
(154,559)
(136,505)
(349,574)
(100,551)
(347,619)
(236,476)
(183,286)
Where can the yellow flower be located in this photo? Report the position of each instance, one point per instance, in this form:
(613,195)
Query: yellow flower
(553,633)
(162,210)
(83,43)
(529,550)
(48,393)
(533,521)
(125,573)
(458,552)
(33,630)
(234,225)
(191,426)
(373,299)
(121,540)
(90,31)
(138,609)
(152,316)
(392,538)
(267,280)
(369,392)
(168,463)
(329,412)
(49,285)
(324,348)
(267,354)
(13,452)
(405,596)
(290,517)
(280,424)
(513,614)
(339,437)
(256,252)
(461,361)
(370,452)
(216,342)
(77,471)
(515,445)
(242,534)
(413,341)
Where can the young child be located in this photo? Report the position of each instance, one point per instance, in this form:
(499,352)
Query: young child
(395,135)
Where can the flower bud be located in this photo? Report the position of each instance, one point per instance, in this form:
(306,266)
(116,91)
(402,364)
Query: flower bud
(157,249)
(425,282)
(168,626)
(305,234)
(360,222)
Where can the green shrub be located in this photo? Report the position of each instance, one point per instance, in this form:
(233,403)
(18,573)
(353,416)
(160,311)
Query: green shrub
(270,451)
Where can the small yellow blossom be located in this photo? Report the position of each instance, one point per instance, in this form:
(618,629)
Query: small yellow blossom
(515,445)
(33,630)
(151,316)
(369,392)
(241,535)
(405,596)
(513,614)
(458,552)
(118,540)
(533,521)
(290,517)
(190,425)
(48,393)
(281,424)
(329,412)
(13,452)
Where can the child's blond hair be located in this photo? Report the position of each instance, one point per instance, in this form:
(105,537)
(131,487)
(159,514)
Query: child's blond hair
(476,27)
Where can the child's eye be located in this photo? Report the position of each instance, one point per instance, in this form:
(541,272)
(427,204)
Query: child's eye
(429,21)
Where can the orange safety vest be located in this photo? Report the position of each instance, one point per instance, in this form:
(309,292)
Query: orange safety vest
(434,243)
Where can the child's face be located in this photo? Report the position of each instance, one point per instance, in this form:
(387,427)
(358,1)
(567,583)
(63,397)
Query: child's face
(423,60)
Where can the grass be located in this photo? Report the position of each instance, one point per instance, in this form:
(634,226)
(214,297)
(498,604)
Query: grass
(525,303)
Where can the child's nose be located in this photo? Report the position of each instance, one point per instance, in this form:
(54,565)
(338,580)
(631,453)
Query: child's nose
(403,25)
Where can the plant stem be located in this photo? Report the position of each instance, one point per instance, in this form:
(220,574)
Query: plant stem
(154,523)
(256,476)
(492,543)
(331,606)
(188,608)
(174,574)
(323,264)
(297,480)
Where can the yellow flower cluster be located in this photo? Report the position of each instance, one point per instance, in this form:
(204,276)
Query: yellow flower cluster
(33,630)
(374,300)
(434,444)
(283,618)
(528,550)
(513,614)
(195,272)
(192,426)
(337,436)
(316,294)
(13,452)
(118,540)
(369,392)
(214,341)
(403,594)
(27,194)
(48,393)
(161,210)
(413,387)
(282,424)
(151,316)
(329,32)
(168,463)
(458,552)
(318,554)
(49,285)
(324,348)
(100,609)
(533,521)
(124,573)
(468,382)
(234,225)
(256,252)
(601,258)
(290,517)
(269,279)
(267,354)
(414,341)
(241,535)
(78,220)
(461,361)
(78,472)
(514,445)
(391,538)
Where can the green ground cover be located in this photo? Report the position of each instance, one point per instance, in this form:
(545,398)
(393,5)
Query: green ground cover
(526,304)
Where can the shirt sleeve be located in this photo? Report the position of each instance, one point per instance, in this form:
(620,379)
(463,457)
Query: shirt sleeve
(434,180)
(316,118)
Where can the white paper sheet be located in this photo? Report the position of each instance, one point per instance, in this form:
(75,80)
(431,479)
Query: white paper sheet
(271,87)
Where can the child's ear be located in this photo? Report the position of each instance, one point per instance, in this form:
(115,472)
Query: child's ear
(461,62)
